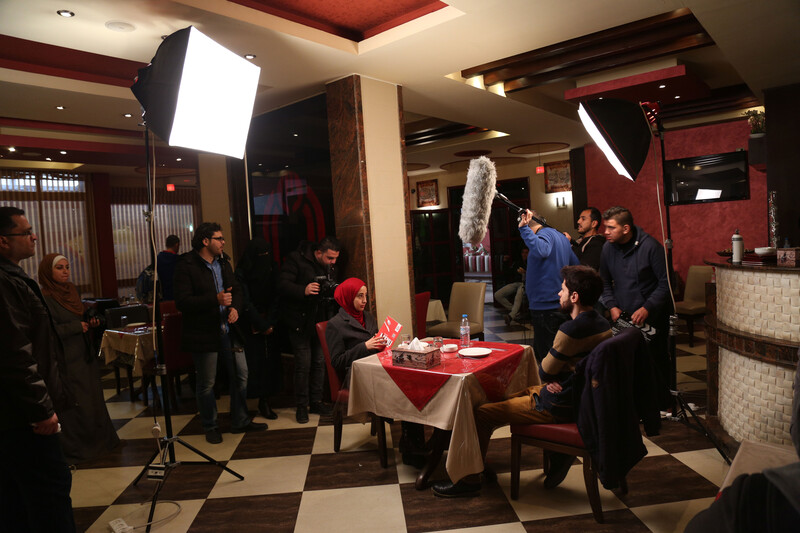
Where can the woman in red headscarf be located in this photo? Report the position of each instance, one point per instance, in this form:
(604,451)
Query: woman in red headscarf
(86,429)
(353,332)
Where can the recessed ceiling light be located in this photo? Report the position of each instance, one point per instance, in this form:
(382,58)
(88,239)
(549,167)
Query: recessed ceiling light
(60,107)
(12,149)
(287,166)
(295,135)
(127,115)
(65,13)
(178,159)
(47,159)
(249,56)
(63,152)
(118,25)
(662,86)
(678,96)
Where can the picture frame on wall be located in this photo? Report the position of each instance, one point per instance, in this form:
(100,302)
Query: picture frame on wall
(427,193)
(557,177)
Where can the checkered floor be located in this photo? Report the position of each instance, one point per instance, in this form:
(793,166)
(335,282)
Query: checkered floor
(295,482)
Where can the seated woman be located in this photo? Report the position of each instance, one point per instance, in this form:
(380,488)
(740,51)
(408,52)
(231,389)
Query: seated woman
(86,429)
(353,334)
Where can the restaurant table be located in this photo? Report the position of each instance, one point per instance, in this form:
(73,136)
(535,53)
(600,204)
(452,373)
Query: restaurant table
(435,312)
(753,457)
(443,396)
(128,346)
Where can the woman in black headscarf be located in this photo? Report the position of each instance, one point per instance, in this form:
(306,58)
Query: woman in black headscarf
(257,273)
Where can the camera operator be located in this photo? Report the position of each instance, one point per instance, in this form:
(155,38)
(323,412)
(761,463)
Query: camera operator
(306,286)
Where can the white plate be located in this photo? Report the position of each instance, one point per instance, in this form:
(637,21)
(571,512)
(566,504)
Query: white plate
(474,352)
(769,250)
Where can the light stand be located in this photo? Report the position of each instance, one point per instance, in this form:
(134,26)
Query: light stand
(622,131)
(166,444)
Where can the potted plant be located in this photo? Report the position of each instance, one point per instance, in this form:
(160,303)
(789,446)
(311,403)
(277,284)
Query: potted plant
(757,121)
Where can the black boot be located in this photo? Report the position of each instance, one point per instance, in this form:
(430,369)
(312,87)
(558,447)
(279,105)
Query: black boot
(265,410)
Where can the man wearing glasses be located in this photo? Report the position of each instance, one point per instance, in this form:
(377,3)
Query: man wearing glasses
(208,295)
(34,477)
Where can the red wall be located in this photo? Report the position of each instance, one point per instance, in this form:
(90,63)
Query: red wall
(698,230)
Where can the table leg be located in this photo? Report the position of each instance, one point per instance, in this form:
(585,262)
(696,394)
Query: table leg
(440,440)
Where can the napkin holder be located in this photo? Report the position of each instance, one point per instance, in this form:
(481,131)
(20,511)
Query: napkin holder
(422,359)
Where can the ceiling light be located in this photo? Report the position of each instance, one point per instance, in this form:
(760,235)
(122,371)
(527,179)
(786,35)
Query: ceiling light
(12,149)
(60,107)
(63,152)
(65,13)
(118,25)
(678,96)
(127,115)
(47,159)
(662,86)
(178,159)
(295,135)
(249,56)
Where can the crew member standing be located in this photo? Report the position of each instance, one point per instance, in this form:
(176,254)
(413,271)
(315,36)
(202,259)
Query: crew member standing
(589,245)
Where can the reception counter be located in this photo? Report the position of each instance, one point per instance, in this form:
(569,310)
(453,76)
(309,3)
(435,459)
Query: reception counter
(752,340)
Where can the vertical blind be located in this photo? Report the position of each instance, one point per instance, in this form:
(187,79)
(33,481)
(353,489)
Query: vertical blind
(55,203)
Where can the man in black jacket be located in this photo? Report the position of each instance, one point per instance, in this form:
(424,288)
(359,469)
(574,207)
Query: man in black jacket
(589,245)
(34,476)
(306,285)
(208,295)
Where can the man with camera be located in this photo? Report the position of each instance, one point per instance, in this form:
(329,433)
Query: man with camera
(306,285)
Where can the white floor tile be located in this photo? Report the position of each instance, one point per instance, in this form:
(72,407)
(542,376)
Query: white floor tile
(373,509)
(670,517)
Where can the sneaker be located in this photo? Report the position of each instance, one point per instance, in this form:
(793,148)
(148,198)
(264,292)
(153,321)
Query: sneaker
(213,436)
(302,415)
(320,408)
(249,428)
(461,489)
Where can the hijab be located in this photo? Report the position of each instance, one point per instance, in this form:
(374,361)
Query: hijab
(344,295)
(66,294)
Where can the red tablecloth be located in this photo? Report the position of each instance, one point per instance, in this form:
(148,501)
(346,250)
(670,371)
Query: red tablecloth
(493,372)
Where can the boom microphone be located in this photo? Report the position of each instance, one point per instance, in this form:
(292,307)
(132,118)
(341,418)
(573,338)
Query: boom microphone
(479,193)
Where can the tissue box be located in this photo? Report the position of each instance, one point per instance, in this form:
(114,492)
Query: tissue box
(424,359)
(789,257)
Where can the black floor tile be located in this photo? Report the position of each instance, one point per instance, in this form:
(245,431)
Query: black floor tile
(276,513)
(349,469)
(613,522)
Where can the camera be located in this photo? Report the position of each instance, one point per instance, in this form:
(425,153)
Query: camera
(327,285)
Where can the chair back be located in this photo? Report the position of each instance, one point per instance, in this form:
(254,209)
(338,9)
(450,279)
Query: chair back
(421,303)
(135,313)
(167,306)
(696,280)
(171,329)
(333,377)
(467,298)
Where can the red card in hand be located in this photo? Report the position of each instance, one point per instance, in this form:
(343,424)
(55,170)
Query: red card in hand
(390,330)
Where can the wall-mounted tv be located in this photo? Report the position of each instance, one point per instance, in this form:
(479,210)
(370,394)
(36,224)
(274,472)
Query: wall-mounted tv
(708,178)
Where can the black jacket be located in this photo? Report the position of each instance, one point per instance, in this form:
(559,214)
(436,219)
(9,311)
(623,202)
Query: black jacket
(618,390)
(301,312)
(589,250)
(31,389)
(196,298)
(346,338)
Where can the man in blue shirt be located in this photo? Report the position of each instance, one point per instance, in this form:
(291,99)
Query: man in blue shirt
(549,252)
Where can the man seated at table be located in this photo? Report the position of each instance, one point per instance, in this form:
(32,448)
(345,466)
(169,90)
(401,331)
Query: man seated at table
(552,401)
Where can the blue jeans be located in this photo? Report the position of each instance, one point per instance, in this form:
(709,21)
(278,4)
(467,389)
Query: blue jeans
(34,483)
(205,364)
(545,326)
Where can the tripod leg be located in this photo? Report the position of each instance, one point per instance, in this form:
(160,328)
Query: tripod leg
(207,457)
(684,408)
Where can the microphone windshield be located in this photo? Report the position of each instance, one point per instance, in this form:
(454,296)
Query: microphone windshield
(477,202)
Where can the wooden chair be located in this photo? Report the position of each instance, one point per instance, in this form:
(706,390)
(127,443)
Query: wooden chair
(340,397)
(421,304)
(465,298)
(176,360)
(694,297)
(566,438)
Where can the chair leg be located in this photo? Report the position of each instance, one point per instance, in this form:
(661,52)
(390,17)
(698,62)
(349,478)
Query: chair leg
(118,380)
(690,325)
(381,431)
(590,479)
(129,372)
(480,336)
(145,395)
(337,428)
(516,452)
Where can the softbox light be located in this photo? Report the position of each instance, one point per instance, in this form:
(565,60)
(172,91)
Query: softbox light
(198,94)
(621,130)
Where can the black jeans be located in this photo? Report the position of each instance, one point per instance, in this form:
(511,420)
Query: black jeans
(34,483)
(309,368)
(545,326)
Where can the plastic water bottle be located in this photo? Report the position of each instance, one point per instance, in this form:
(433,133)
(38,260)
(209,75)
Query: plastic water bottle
(464,331)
